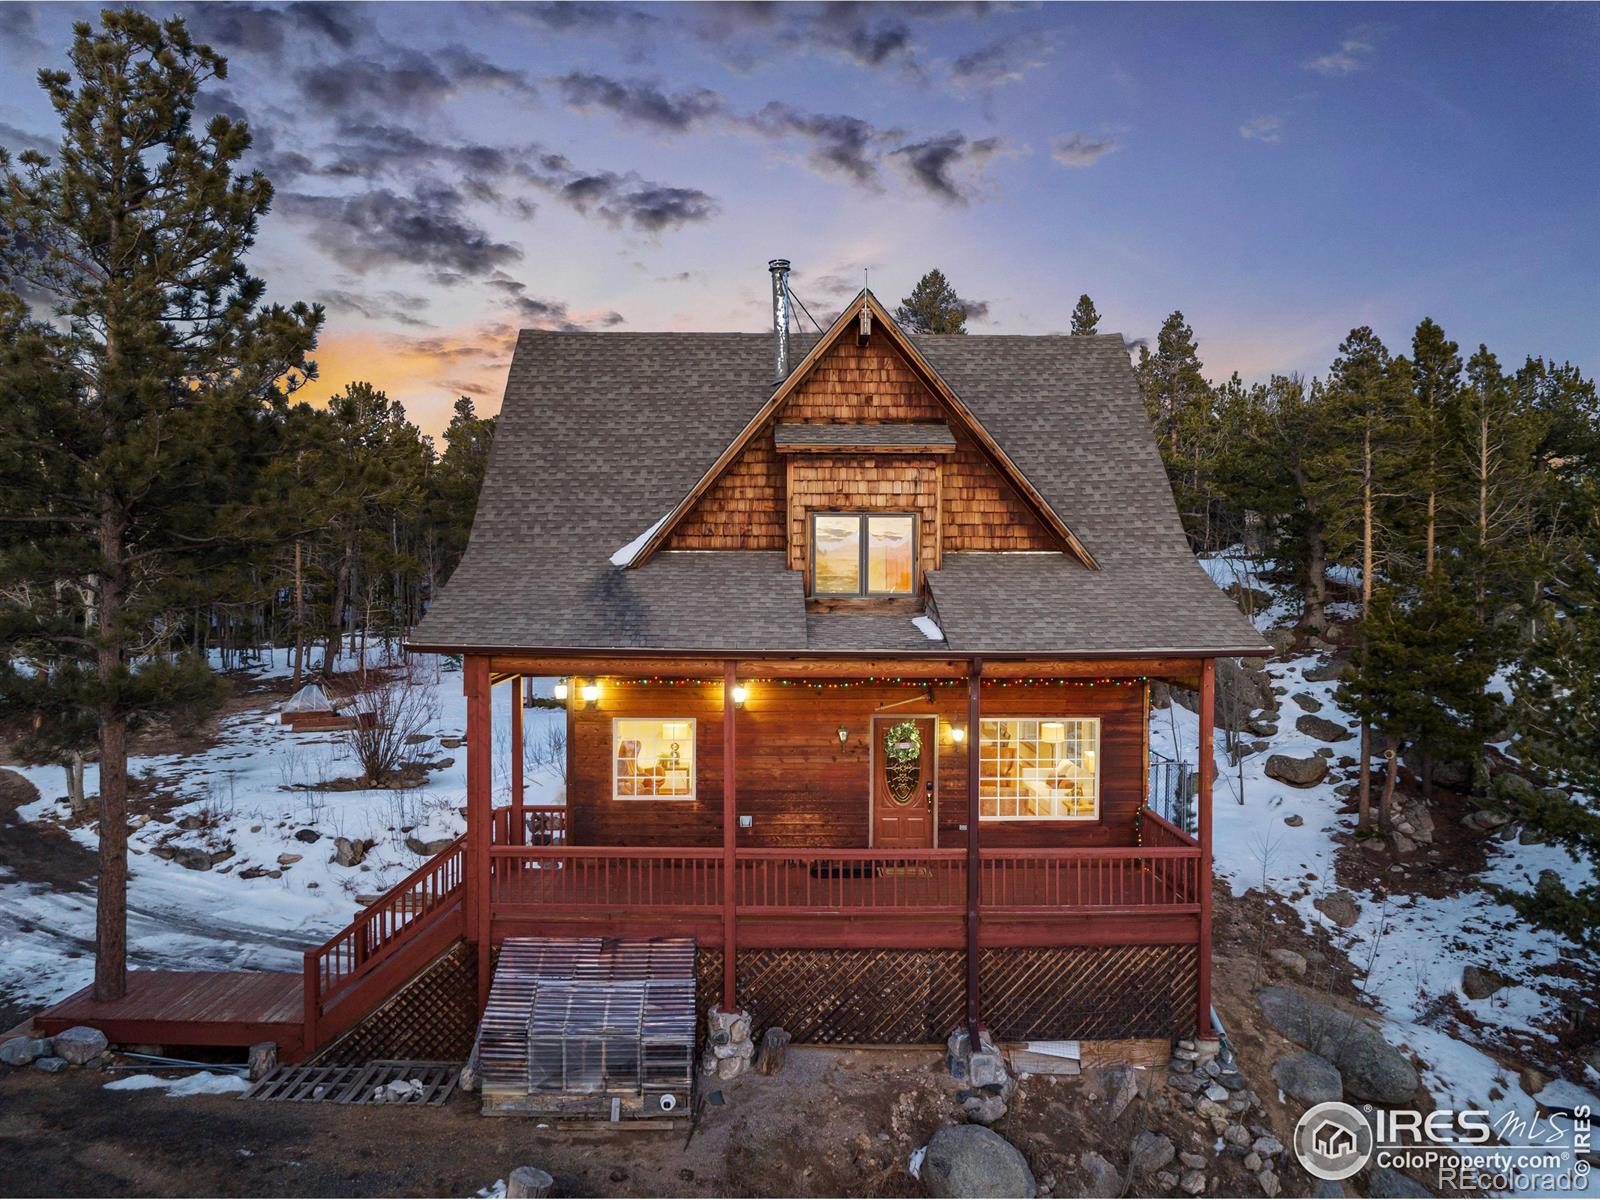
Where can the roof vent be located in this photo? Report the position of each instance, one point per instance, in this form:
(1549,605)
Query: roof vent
(780,318)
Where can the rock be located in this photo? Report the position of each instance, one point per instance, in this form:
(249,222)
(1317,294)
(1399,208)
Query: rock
(970,1160)
(981,1105)
(1246,686)
(1340,908)
(288,860)
(1371,1069)
(427,849)
(1294,820)
(1484,819)
(1150,1151)
(1217,1092)
(1252,1161)
(192,857)
(1236,1136)
(728,1044)
(774,1049)
(348,852)
(263,1060)
(307,835)
(1479,983)
(1308,1077)
(1288,960)
(1211,1110)
(20,1051)
(528,1183)
(1325,672)
(1389,1183)
(192,821)
(1097,1177)
(79,1045)
(1193,1182)
(1262,726)
(51,1064)
(1267,1146)
(1533,1080)
(1298,772)
(1122,1086)
(1192,1162)
(1166,1180)
(1327,1189)
(1307,701)
(1281,640)
(1268,1179)
(1322,729)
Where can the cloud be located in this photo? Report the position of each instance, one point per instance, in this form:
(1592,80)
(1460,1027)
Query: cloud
(1353,54)
(398,307)
(256,29)
(839,143)
(868,35)
(578,17)
(935,163)
(19,32)
(1007,61)
(1081,149)
(620,199)
(549,314)
(643,103)
(410,82)
(1267,128)
(380,228)
(18,140)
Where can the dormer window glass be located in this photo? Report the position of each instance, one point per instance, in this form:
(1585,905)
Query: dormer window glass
(863,554)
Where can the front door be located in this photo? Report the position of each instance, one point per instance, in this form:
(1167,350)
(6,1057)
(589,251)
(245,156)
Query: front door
(903,782)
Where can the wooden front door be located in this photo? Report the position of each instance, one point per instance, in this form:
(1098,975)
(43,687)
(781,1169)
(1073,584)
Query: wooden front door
(903,775)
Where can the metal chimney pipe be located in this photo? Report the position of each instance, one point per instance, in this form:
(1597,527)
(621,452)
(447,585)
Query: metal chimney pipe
(780,318)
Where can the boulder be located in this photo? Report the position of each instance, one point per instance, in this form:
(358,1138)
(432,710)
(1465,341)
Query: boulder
(1288,960)
(1479,983)
(1371,1069)
(348,852)
(774,1050)
(1245,684)
(1281,640)
(192,857)
(1340,908)
(1263,725)
(1307,701)
(1308,1077)
(20,1051)
(1150,1151)
(1294,820)
(307,835)
(1325,672)
(1514,790)
(51,1064)
(288,860)
(1193,1182)
(1389,1183)
(970,1160)
(79,1045)
(981,1106)
(1322,729)
(1298,772)
(426,849)
(1483,820)
(1097,1177)
(1122,1085)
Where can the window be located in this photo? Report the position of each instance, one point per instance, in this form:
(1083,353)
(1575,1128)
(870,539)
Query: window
(863,554)
(1039,769)
(653,757)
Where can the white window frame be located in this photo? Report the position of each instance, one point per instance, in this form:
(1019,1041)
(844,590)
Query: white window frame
(694,758)
(1094,747)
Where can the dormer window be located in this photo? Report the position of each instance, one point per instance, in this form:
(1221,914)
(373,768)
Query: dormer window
(863,554)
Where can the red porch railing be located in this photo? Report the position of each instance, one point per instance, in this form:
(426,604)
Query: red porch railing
(542,825)
(834,881)
(1115,879)
(599,880)
(1155,830)
(426,899)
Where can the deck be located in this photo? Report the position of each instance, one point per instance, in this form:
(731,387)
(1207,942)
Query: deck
(192,1008)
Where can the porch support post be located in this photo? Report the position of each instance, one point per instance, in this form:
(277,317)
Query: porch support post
(730,835)
(974,704)
(480,710)
(518,821)
(1208,673)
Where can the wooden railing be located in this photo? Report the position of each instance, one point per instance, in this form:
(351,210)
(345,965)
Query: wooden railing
(602,879)
(1115,879)
(833,881)
(542,825)
(1156,830)
(380,932)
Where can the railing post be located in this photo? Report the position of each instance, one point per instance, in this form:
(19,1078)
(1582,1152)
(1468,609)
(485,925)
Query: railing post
(479,767)
(974,706)
(517,835)
(1208,670)
(730,835)
(311,1001)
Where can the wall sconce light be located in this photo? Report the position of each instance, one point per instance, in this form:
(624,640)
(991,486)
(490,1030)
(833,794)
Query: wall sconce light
(560,690)
(591,694)
(957,734)
(844,735)
(740,695)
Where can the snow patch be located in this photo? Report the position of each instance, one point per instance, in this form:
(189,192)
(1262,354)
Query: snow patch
(929,628)
(202,1084)
(624,557)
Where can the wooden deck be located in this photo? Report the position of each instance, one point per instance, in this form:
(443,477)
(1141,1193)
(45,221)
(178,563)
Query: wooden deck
(192,1008)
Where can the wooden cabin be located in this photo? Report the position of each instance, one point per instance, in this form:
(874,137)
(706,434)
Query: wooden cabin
(856,634)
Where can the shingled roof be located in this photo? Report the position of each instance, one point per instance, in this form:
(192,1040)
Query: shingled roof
(603,434)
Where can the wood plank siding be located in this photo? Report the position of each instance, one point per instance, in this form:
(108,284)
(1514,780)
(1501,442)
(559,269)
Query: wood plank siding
(801,787)
(855,483)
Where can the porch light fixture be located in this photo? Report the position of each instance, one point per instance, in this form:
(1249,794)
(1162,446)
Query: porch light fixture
(591,694)
(1052,731)
(844,735)
(740,695)
(957,734)
(560,690)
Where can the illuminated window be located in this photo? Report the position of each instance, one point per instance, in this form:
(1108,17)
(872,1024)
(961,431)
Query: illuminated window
(1039,769)
(653,757)
(863,554)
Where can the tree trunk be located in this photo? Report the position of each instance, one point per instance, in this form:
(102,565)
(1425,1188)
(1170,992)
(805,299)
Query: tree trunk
(299,617)
(1365,806)
(335,643)
(1427,553)
(75,797)
(1314,594)
(111,906)
(1386,802)
(1364,799)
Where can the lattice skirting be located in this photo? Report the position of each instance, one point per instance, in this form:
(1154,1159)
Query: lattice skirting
(433,1017)
(897,996)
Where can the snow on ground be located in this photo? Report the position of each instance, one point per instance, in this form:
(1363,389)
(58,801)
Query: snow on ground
(1412,948)
(253,791)
(204,1083)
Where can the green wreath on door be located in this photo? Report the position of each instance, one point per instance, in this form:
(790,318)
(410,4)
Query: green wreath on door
(902,760)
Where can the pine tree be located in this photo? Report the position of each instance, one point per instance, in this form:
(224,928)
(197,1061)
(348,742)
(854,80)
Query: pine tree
(127,437)
(1171,379)
(1085,320)
(933,307)
(455,482)
(1435,387)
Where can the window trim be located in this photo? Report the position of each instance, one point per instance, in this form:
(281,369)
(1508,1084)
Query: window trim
(1099,768)
(863,543)
(694,760)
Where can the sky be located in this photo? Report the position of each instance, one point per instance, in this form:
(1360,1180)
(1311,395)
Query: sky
(448,174)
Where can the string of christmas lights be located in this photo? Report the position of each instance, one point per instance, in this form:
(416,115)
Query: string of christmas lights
(875,681)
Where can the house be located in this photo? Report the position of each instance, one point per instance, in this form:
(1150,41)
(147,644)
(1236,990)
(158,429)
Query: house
(855,634)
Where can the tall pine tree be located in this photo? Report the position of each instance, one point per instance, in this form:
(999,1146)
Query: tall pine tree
(1085,319)
(933,306)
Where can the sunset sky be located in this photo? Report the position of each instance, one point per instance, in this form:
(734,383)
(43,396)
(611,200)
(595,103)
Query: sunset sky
(447,174)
